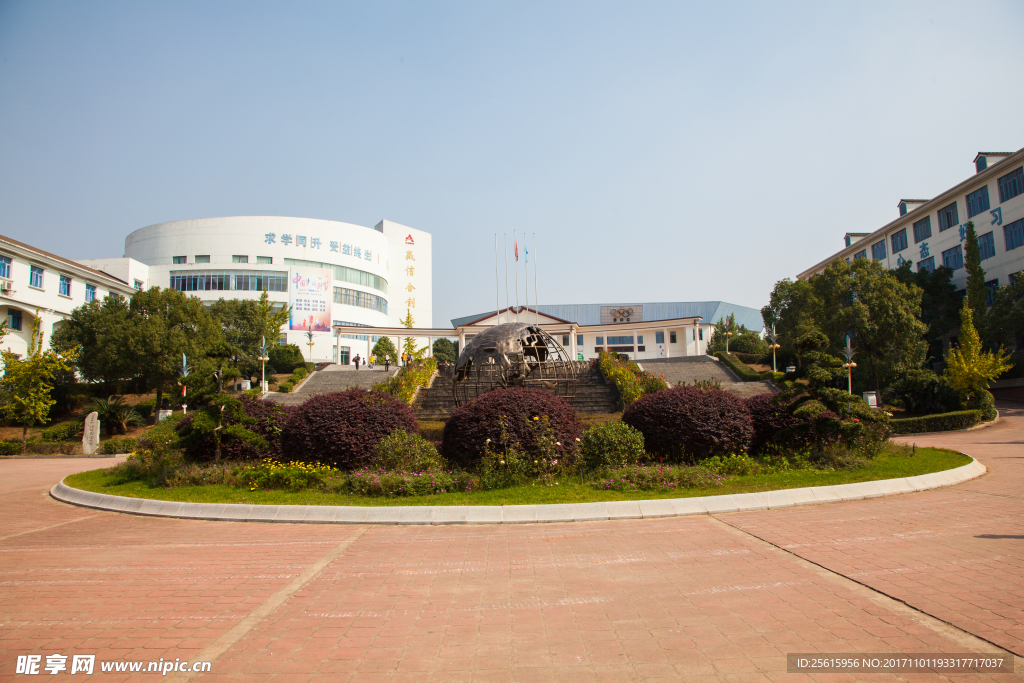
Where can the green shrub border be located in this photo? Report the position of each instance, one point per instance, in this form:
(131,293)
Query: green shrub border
(742,369)
(942,422)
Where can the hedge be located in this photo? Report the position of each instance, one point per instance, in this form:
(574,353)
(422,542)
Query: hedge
(62,431)
(740,368)
(118,445)
(943,422)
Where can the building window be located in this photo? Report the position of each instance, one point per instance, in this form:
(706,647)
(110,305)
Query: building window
(1013,233)
(5,267)
(265,260)
(700,334)
(600,341)
(987,245)
(14,320)
(177,259)
(226,280)
(977,202)
(90,293)
(1011,185)
(948,217)
(639,339)
(139,284)
(953,258)
(565,340)
(64,288)
(990,291)
(35,277)
(205,258)
(927,264)
(861,254)
(878,250)
(672,337)
(579,340)
(351,297)
(238,259)
(659,337)
(922,229)
(899,241)
(620,341)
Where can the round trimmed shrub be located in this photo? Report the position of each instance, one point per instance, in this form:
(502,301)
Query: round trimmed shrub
(691,423)
(117,445)
(401,451)
(769,418)
(612,445)
(466,432)
(342,428)
(270,420)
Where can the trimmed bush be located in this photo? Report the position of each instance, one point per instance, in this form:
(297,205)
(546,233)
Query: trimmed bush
(62,431)
(300,372)
(285,387)
(613,445)
(146,408)
(59,448)
(690,423)
(342,428)
(401,451)
(285,358)
(769,418)
(466,432)
(270,420)
(10,447)
(741,369)
(943,422)
(748,358)
(119,444)
(923,393)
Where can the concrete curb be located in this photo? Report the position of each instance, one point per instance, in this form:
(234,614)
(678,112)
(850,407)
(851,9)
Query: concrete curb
(517,514)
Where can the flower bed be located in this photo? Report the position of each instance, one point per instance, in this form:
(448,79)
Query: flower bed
(405,382)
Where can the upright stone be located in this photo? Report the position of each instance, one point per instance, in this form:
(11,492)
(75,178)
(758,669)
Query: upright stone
(91,435)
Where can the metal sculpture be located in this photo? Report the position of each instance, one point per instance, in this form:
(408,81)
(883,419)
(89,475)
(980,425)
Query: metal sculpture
(513,355)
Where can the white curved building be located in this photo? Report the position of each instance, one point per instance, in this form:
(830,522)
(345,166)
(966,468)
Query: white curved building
(330,273)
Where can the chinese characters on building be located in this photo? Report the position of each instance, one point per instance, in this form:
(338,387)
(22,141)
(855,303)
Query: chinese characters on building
(287,239)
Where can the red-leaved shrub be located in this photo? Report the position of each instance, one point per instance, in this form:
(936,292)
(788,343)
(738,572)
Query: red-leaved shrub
(769,418)
(467,430)
(691,423)
(270,419)
(342,428)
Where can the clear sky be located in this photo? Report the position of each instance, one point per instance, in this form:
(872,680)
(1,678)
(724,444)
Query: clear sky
(660,151)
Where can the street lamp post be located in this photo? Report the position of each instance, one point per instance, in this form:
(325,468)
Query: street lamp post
(727,335)
(309,336)
(773,338)
(264,357)
(185,372)
(849,365)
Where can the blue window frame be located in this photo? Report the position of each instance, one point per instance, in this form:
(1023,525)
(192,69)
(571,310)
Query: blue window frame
(90,293)
(5,267)
(599,341)
(565,340)
(953,258)
(65,285)
(861,254)
(987,245)
(238,280)
(1011,185)
(878,250)
(927,264)
(177,259)
(14,320)
(990,291)
(899,241)
(977,202)
(620,341)
(922,229)
(672,337)
(949,217)
(1013,233)
(659,337)
(35,276)
(579,340)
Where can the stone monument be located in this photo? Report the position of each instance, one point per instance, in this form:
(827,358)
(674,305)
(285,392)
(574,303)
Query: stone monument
(91,434)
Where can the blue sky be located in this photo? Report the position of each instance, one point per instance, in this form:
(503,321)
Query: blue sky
(660,151)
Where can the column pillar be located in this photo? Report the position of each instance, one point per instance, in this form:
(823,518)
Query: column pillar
(636,343)
(668,340)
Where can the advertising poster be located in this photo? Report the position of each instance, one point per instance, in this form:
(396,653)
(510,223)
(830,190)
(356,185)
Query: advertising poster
(310,296)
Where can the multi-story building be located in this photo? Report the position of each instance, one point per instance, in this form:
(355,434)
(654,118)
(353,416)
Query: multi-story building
(35,283)
(931,232)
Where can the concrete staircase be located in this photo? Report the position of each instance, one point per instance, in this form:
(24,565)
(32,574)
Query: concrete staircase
(593,395)
(330,379)
(691,368)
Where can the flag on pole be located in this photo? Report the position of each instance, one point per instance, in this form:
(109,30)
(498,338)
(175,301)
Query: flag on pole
(527,250)
(517,249)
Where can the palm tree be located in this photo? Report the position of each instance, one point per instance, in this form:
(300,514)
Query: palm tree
(115,414)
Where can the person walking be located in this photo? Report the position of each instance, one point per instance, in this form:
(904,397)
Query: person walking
(371,361)
(356,361)
(387,363)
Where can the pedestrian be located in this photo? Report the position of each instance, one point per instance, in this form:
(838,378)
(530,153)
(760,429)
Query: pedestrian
(356,359)
(387,363)
(372,357)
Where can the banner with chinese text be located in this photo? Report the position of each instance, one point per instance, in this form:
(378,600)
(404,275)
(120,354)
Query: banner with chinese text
(310,295)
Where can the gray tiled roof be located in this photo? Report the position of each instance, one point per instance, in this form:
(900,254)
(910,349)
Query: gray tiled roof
(590,314)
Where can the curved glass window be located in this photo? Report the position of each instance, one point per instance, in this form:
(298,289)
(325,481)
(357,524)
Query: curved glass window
(345,274)
(352,297)
(229,280)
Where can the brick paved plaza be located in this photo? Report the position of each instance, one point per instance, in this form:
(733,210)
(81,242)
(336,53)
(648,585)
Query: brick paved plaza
(696,598)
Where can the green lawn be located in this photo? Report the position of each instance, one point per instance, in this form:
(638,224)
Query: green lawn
(889,465)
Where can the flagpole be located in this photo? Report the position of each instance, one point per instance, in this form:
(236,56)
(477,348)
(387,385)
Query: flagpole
(516,242)
(536,298)
(526,279)
(505,239)
(497,285)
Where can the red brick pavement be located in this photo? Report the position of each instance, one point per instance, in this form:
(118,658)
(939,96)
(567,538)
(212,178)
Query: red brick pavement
(671,599)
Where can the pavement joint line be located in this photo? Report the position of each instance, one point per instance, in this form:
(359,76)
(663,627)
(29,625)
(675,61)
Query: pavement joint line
(52,526)
(233,635)
(881,598)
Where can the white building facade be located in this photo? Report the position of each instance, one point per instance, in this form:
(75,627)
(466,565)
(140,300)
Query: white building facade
(931,232)
(35,283)
(332,274)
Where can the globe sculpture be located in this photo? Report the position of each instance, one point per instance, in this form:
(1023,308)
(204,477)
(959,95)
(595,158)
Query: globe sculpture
(513,355)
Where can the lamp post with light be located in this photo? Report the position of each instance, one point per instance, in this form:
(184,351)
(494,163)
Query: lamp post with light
(849,365)
(309,336)
(264,357)
(184,372)
(773,338)
(727,335)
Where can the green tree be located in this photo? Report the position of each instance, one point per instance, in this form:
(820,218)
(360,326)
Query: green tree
(103,333)
(791,308)
(169,324)
(244,324)
(975,278)
(940,305)
(209,422)
(967,368)
(1006,319)
(26,384)
(409,343)
(385,347)
(741,340)
(446,350)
